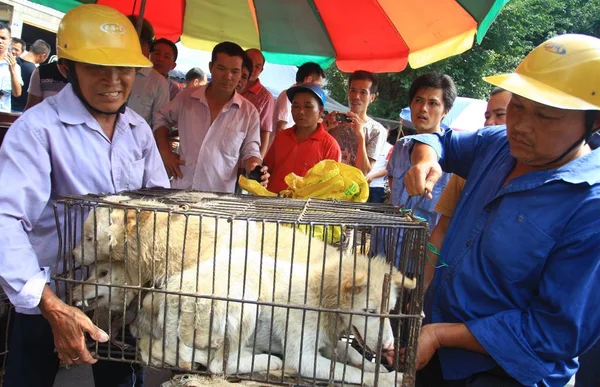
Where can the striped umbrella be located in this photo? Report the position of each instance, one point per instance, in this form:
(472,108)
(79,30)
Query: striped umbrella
(374,35)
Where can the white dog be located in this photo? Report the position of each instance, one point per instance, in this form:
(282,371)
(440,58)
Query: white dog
(298,335)
(201,325)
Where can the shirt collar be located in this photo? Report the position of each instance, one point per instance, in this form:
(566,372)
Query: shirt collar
(72,111)
(145,71)
(317,135)
(581,170)
(200,94)
(255,88)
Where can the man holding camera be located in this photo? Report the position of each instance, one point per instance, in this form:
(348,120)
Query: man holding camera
(10,72)
(360,137)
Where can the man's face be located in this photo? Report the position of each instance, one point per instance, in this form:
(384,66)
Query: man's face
(243,80)
(163,58)
(226,72)
(495,113)
(105,88)
(17,49)
(427,109)
(306,110)
(4,41)
(538,134)
(359,95)
(257,62)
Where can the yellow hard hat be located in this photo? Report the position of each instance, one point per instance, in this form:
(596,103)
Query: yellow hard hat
(562,72)
(99,35)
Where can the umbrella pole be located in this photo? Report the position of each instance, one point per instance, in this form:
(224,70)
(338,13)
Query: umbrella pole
(140,19)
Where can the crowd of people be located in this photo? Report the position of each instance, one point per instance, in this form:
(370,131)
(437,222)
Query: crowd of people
(513,263)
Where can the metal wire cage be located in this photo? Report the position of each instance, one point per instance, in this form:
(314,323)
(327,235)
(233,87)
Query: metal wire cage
(6,309)
(275,290)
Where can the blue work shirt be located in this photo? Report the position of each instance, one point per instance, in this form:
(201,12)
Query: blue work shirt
(58,148)
(523,261)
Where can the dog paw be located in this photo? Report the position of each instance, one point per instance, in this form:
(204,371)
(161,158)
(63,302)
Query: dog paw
(275,363)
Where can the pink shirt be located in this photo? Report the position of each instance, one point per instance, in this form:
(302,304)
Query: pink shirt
(264,102)
(211,152)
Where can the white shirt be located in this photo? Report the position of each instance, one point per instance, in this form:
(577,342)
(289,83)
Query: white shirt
(283,110)
(212,152)
(150,92)
(6,84)
(381,164)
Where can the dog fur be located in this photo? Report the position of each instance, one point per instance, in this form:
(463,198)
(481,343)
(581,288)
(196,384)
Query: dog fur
(297,335)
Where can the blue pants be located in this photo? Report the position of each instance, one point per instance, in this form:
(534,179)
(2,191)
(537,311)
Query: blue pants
(376,195)
(32,362)
(589,368)
(431,376)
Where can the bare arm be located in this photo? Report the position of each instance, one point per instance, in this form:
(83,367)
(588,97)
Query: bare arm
(435,336)
(437,238)
(374,175)
(15,75)
(170,160)
(69,326)
(281,125)
(426,170)
(264,143)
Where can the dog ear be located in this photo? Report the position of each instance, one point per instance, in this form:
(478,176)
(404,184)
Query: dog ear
(356,284)
(401,281)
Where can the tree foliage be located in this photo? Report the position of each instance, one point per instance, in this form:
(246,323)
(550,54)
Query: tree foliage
(520,26)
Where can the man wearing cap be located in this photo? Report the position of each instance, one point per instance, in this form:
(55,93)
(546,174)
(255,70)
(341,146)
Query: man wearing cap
(306,143)
(517,301)
(82,140)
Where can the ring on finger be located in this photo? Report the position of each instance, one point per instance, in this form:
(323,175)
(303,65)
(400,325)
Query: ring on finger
(75,359)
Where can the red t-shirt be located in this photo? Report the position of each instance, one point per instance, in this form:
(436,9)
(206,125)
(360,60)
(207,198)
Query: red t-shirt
(287,155)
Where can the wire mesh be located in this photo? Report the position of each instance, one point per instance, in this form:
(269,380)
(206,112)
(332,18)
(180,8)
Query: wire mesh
(274,290)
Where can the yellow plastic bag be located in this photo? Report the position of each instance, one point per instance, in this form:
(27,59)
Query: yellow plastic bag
(327,179)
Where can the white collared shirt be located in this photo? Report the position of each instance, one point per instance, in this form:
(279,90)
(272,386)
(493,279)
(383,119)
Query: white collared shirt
(149,93)
(212,152)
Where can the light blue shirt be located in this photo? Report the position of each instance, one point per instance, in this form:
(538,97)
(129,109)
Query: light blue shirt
(524,261)
(149,93)
(6,84)
(58,148)
(397,167)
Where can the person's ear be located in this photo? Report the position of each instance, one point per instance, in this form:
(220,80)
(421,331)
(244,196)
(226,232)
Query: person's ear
(373,97)
(62,69)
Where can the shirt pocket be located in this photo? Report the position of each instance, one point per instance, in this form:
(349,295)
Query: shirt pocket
(515,247)
(231,144)
(135,174)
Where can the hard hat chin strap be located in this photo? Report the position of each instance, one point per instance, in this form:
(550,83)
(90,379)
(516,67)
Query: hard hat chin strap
(72,78)
(583,139)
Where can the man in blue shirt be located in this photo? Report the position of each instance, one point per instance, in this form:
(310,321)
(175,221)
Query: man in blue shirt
(518,301)
(432,95)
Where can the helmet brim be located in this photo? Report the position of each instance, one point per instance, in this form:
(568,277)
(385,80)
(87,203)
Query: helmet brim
(539,92)
(106,57)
